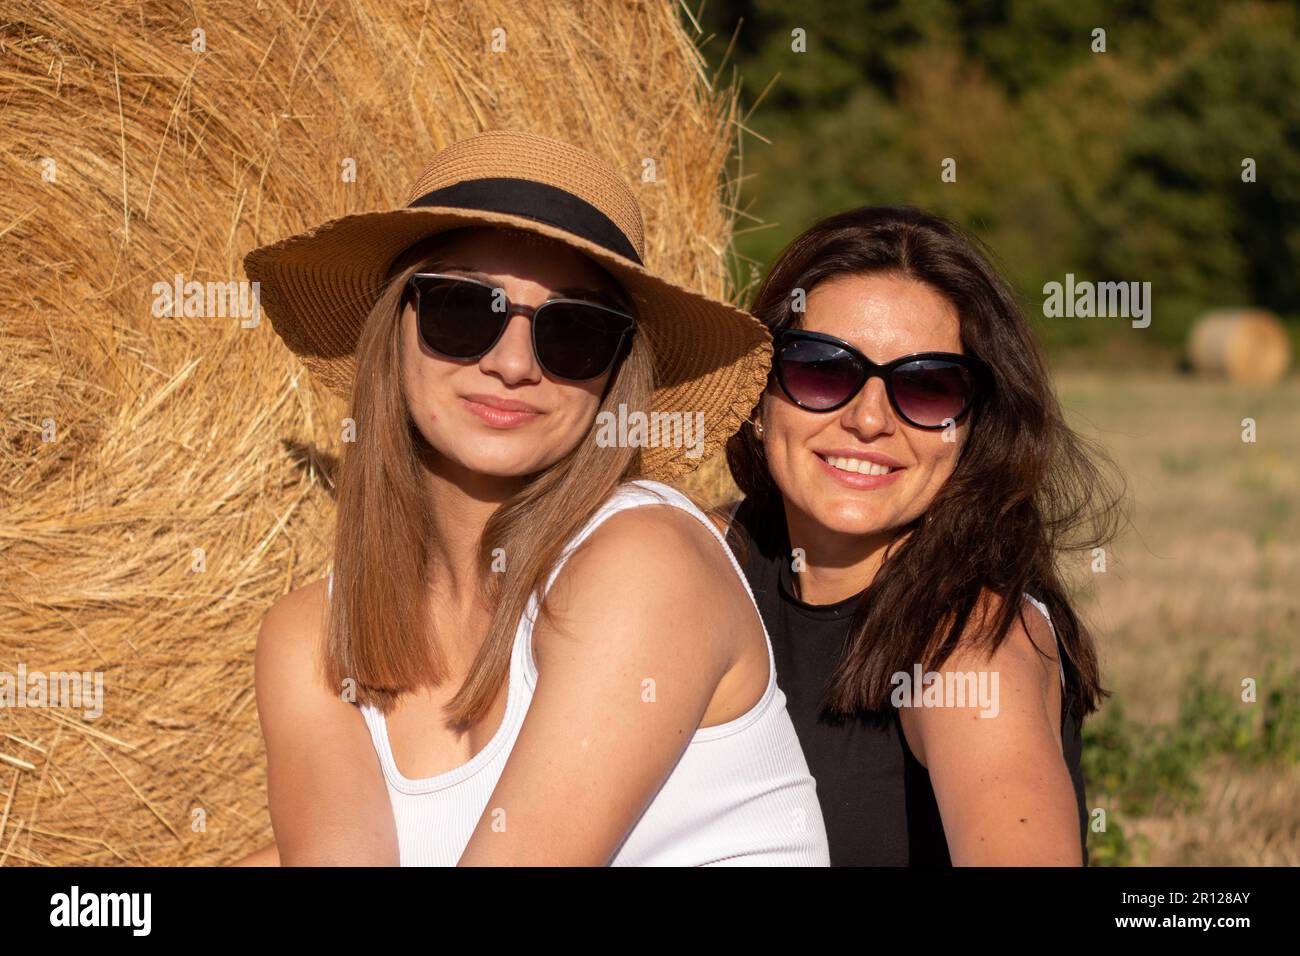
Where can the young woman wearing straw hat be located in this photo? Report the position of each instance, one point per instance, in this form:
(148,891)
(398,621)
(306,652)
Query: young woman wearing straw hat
(908,476)
(530,650)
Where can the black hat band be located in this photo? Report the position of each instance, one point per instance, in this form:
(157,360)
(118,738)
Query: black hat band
(537,201)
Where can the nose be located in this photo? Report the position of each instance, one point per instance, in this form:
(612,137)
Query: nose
(512,359)
(869,414)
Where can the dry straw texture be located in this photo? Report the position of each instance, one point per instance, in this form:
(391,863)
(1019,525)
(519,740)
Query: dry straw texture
(128,157)
(1243,345)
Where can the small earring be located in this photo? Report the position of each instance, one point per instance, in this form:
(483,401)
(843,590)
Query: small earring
(758,427)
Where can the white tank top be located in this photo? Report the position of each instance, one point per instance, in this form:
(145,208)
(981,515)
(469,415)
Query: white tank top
(740,794)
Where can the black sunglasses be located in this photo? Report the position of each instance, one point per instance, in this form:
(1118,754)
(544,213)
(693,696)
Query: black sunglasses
(462,318)
(927,389)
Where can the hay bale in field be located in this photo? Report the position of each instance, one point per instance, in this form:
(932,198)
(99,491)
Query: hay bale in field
(165,479)
(1244,345)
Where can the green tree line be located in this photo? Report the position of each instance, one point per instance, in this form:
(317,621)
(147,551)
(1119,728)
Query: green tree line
(1164,150)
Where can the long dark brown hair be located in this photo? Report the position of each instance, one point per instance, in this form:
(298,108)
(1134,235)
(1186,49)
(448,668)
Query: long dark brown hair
(1026,489)
(377,632)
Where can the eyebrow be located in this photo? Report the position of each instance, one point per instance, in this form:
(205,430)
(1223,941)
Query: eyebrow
(595,295)
(469,271)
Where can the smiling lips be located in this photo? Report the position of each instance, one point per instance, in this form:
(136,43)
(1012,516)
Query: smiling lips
(858,469)
(500,412)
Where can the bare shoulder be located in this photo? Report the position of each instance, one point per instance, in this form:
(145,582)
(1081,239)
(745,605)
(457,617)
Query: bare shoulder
(291,637)
(661,569)
(325,787)
(661,541)
(1020,675)
(996,763)
(1028,651)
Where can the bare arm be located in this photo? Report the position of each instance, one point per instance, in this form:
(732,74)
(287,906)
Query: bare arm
(328,802)
(650,613)
(1001,782)
(266,856)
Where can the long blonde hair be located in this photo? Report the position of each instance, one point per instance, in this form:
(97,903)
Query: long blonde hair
(377,626)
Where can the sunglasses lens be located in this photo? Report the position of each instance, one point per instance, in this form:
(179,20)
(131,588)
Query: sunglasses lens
(818,375)
(930,391)
(456,318)
(578,341)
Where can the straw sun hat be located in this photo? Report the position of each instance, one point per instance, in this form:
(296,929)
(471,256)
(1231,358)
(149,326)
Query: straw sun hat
(319,286)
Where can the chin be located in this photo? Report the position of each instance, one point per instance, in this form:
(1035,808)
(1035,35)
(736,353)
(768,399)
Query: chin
(492,457)
(851,517)
(504,466)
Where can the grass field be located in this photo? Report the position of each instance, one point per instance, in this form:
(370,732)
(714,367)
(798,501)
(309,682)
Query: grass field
(1201,591)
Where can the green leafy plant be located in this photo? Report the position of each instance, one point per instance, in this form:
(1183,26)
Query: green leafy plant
(1139,769)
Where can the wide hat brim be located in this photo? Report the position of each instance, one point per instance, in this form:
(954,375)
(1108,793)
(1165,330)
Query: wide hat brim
(319,286)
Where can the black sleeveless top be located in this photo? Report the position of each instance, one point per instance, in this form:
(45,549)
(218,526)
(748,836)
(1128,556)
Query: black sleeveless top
(875,796)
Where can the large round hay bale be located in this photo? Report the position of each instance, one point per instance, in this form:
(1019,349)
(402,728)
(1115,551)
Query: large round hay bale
(166,479)
(1243,345)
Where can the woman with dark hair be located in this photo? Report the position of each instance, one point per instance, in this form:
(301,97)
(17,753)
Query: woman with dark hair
(910,485)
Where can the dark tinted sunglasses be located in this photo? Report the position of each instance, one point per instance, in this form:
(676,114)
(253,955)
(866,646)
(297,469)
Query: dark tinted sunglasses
(462,318)
(822,373)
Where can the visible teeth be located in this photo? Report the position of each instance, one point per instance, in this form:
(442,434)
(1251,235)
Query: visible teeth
(858,466)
